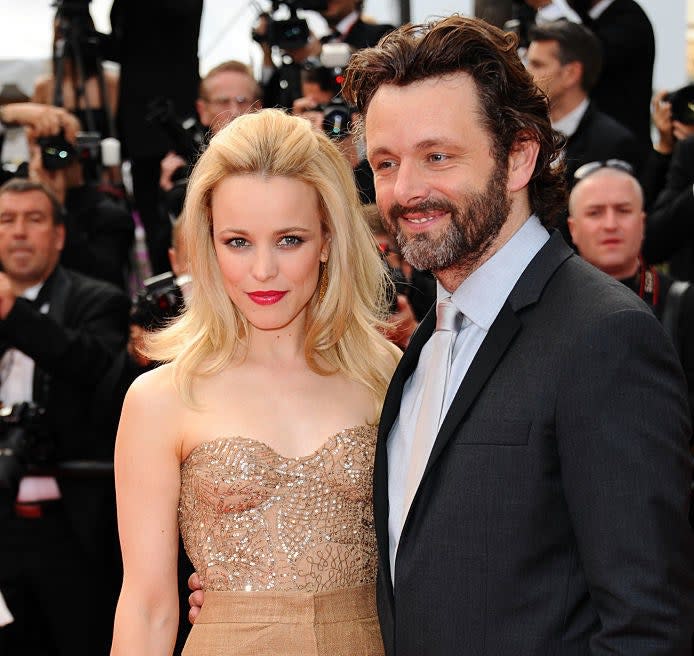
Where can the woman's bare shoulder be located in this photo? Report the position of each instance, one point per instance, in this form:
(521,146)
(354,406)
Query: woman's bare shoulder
(154,388)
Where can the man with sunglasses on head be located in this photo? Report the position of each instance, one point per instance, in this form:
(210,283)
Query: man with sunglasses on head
(607,224)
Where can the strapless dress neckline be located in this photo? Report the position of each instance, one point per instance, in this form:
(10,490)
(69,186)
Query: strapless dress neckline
(265,446)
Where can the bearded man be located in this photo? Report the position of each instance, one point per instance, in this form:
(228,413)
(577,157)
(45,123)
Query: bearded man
(531,476)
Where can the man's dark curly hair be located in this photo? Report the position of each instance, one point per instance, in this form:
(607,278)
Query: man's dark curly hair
(513,108)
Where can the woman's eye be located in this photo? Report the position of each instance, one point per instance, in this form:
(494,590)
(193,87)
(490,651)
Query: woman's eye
(237,242)
(290,240)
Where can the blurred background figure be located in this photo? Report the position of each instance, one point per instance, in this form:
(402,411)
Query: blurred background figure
(669,232)
(156,45)
(625,86)
(564,59)
(292,44)
(227,91)
(78,81)
(59,333)
(99,229)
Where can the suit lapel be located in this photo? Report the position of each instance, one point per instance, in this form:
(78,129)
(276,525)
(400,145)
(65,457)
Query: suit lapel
(492,349)
(55,292)
(391,408)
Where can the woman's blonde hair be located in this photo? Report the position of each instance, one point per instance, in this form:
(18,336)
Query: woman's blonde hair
(343,328)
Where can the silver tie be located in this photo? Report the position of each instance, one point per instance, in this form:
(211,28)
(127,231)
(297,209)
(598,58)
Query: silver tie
(448,320)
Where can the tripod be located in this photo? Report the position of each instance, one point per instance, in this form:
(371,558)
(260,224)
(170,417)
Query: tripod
(75,36)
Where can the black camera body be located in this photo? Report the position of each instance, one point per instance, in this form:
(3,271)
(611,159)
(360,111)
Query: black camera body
(24,441)
(160,300)
(188,136)
(289,34)
(682,103)
(337,117)
(293,32)
(58,153)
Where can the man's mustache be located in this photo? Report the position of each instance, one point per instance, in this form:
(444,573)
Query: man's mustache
(397,211)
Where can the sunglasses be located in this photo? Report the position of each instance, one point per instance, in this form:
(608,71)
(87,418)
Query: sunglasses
(584,171)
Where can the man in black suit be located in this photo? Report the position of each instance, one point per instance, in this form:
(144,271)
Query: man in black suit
(546,512)
(625,86)
(565,61)
(59,332)
(156,44)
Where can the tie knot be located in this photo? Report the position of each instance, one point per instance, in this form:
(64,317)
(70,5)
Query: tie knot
(448,317)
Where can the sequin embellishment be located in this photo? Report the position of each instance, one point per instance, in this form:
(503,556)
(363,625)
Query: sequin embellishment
(254,520)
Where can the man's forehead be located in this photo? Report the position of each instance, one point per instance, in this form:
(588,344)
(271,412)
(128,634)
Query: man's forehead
(33,200)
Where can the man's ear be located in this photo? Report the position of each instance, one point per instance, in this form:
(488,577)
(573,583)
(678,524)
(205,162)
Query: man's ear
(570,222)
(60,236)
(573,73)
(521,162)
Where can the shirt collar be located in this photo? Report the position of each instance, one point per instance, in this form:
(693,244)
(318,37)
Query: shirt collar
(346,24)
(482,294)
(568,124)
(32,293)
(556,10)
(596,11)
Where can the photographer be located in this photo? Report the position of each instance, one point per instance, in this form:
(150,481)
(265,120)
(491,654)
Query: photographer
(344,18)
(99,230)
(39,121)
(59,331)
(227,91)
(669,235)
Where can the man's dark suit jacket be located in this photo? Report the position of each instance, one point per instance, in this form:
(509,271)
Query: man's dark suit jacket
(73,346)
(625,86)
(552,514)
(156,44)
(669,226)
(600,137)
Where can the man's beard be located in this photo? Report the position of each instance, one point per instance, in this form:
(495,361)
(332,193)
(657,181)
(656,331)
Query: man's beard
(472,229)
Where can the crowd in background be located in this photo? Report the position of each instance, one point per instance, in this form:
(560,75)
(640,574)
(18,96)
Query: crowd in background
(74,303)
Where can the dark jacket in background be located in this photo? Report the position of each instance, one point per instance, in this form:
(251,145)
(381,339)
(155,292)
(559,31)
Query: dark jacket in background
(625,86)
(670,223)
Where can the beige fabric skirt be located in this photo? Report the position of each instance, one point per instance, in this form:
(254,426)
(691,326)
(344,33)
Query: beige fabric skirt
(336,623)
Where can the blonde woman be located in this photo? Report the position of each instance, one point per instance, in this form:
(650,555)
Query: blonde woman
(258,434)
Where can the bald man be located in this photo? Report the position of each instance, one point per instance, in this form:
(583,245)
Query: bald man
(607,223)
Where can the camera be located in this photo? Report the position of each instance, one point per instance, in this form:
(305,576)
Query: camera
(188,136)
(24,440)
(337,117)
(293,32)
(58,153)
(159,301)
(682,103)
(328,73)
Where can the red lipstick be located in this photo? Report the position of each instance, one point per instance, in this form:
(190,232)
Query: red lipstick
(266,297)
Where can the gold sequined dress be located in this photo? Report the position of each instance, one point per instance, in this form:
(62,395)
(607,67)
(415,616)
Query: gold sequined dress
(285,547)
